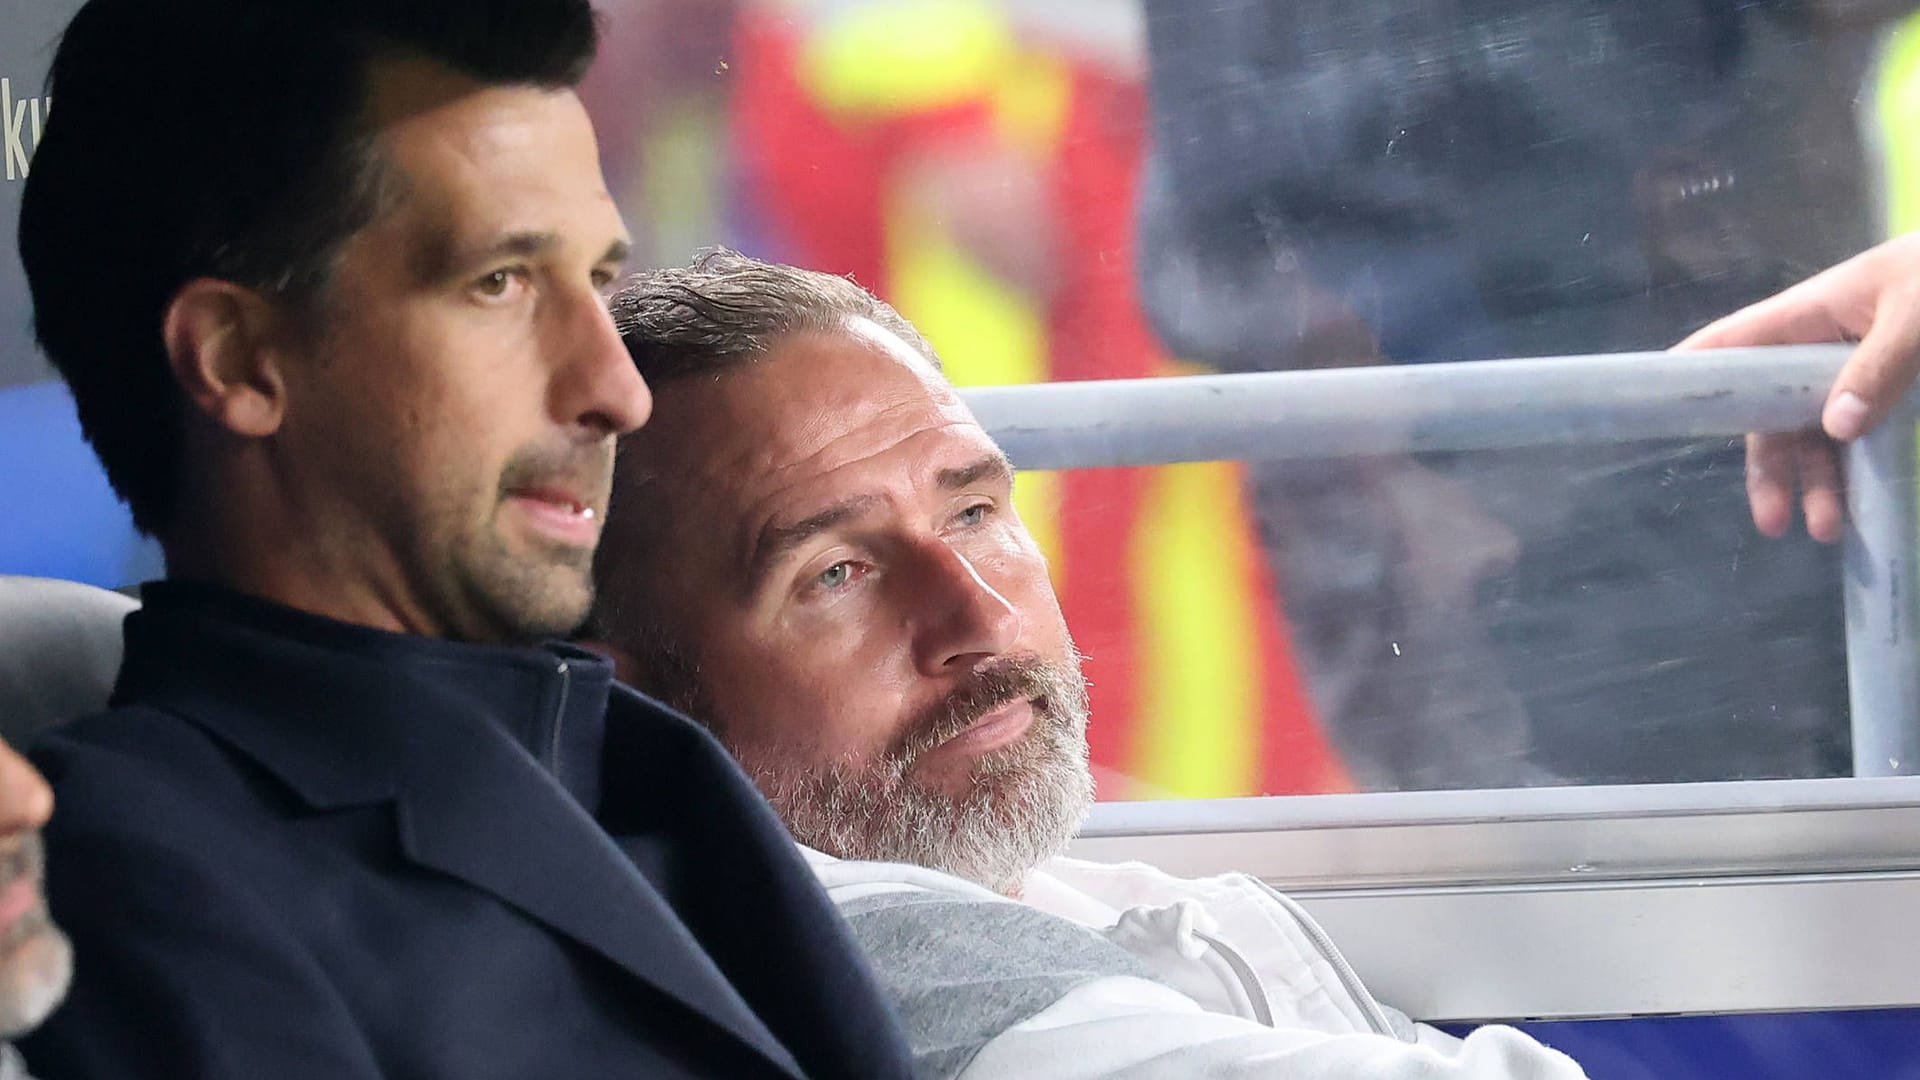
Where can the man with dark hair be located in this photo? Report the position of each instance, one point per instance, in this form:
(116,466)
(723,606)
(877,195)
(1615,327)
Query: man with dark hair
(353,370)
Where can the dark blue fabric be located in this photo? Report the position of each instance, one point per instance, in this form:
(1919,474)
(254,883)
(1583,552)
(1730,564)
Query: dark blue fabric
(1858,1045)
(296,848)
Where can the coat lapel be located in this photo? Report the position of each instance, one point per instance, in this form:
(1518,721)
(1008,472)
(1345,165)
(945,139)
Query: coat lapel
(345,716)
(486,813)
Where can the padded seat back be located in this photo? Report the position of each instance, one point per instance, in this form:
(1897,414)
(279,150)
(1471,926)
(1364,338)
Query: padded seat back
(59,652)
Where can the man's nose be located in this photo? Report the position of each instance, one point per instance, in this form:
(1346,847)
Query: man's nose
(964,620)
(600,389)
(26,802)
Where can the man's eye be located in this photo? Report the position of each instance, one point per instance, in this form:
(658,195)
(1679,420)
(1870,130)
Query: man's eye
(499,283)
(835,576)
(975,514)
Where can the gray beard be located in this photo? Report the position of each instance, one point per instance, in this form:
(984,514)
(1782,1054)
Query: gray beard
(1025,803)
(36,962)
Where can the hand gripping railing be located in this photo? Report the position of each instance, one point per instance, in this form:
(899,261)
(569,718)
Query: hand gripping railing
(1513,403)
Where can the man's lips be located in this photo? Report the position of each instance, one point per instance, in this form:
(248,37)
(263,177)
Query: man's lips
(17,897)
(995,729)
(559,514)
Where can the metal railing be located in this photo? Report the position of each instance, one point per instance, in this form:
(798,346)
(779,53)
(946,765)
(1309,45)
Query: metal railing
(1531,402)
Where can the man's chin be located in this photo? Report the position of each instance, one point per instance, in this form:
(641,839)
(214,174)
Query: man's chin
(34,973)
(996,830)
(534,595)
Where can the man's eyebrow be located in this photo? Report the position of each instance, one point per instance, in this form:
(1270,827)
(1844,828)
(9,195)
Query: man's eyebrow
(994,466)
(775,541)
(445,259)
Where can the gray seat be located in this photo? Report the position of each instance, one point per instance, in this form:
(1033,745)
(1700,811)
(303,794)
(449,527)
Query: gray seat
(59,652)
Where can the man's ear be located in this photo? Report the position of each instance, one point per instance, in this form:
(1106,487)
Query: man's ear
(626,667)
(223,344)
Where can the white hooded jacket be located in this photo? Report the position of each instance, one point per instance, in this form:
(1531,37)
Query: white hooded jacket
(1232,943)
(1123,971)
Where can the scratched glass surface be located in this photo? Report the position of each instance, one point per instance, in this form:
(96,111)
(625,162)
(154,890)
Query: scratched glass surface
(1565,615)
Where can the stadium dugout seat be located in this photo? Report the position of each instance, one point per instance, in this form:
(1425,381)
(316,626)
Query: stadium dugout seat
(59,652)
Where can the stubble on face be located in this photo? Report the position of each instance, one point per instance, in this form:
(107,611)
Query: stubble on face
(486,578)
(428,416)
(544,591)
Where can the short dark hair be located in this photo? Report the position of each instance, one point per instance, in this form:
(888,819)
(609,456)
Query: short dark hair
(726,308)
(225,139)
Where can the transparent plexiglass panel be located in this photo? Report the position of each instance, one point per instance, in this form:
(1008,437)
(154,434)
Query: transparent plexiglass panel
(1103,189)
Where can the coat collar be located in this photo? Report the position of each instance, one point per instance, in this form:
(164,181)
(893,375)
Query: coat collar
(455,735)
(330,707)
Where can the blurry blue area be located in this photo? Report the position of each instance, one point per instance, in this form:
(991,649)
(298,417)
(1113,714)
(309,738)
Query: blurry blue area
(58,516)
(1866,1045)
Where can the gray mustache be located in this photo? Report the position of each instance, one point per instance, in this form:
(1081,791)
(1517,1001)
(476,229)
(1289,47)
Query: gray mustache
(1009,680)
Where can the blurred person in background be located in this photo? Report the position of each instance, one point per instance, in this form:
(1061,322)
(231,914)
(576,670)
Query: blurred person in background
(1337,184)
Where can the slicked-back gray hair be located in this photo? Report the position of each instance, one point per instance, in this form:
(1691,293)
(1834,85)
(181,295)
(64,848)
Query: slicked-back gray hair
(726,308)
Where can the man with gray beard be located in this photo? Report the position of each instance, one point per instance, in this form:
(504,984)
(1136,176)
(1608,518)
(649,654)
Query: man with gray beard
(961,745)
(36,962)
(1020,806)
(813,549)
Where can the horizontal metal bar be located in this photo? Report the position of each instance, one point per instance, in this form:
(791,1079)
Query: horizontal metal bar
(1477,405)
(1570,902)
(1540,835)
(1267,813)
(1643,949)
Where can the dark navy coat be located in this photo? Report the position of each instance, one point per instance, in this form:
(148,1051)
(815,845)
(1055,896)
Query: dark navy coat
(300,849)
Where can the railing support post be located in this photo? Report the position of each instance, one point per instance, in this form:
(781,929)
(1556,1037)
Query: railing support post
(1883,652)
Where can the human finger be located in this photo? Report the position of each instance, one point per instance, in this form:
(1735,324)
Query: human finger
(1821,499)
(1770,473)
